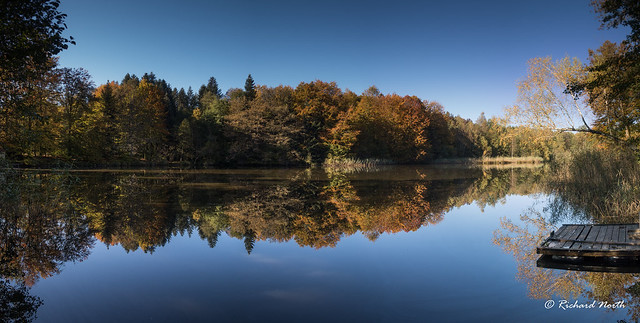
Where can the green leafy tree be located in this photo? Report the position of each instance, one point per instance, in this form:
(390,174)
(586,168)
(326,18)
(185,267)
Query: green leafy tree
(76,92)
(441,136)
(208,123)
(612,85)
(613,93)
(142,127)
(30,37)
(267,131)
(615,13)
(186,149)
(102,135)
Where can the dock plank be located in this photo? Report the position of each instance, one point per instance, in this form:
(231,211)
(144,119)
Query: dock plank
(626,234)
(592,240)
(600,238)
(564,231)
(560,234)
(591,237)
(573,234)
(614,237)
(583,236)
(608,238)
(622,236)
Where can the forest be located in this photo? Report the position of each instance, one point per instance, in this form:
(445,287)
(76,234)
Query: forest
(143,121)
(581,118)
(53,115)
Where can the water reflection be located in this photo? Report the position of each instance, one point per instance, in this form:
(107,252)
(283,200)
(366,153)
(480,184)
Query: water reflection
(40,230)
(50,218)
(16,304)
(313,208)
(592,187)
(521,240)
(40,227)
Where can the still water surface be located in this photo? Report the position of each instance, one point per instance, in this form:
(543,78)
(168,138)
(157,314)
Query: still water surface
(400,244)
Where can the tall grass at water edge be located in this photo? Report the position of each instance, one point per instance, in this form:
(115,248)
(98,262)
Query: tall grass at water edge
(604,184)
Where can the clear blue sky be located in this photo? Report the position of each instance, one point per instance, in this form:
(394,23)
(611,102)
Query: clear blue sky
(467,55)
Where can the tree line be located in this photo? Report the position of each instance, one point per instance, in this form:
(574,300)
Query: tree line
(142,120)
(50,113)
(53,113)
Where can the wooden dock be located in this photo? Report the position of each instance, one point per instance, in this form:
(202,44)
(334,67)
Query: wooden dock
(592,240)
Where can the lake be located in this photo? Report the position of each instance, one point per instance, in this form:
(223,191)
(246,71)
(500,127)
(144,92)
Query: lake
(394,244)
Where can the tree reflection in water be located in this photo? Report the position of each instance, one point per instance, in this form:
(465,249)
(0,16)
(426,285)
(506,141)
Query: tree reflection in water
(542,283)
(314,208)
(40,230)
(593,186)
(16,305)
(48,219)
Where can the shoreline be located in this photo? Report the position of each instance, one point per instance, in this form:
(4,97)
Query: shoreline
(340,164)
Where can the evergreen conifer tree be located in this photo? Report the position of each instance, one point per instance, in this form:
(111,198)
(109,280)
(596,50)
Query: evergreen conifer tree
(250,88)
(212,86)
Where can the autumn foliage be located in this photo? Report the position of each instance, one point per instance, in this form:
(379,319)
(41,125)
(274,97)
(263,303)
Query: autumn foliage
(143,121)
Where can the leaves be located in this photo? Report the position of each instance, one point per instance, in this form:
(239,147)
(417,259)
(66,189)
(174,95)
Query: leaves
(543,101)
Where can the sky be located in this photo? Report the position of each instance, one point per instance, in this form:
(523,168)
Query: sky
(466,55)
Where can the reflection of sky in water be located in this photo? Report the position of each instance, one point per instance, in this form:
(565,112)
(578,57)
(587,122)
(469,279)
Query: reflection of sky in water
(450,271)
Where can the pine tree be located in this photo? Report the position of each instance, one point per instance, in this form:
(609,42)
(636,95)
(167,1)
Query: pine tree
(250,88)
(192,99)
(109,123)
(212,86)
